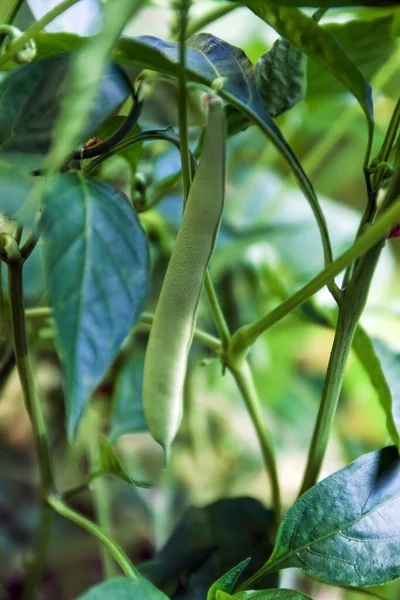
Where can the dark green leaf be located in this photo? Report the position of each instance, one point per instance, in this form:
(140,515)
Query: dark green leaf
(208,542)
(227,582)
(345,530)
(30,102)
(127,411)
(317,43)
(110,464)
(382,364)
(96,258)
(281,79)
(124,588)
(369,44)
(280,594)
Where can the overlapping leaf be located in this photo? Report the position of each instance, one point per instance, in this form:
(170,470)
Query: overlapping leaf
(96,260)
(123,588)
(345,530)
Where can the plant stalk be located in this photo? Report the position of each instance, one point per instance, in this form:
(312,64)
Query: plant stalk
(245,383)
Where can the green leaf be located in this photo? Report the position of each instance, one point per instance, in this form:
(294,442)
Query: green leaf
(382,364)
(30,102)
(110,464)
(345,529)
(127,411)
(317,43)
(369,44)
(86,72)
(227,582)
(221,595)
(281,77)
(124,588)
(96,258)
(15,186)
(280,594)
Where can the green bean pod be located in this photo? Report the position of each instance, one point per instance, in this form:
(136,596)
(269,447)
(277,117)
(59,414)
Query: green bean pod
(175,316)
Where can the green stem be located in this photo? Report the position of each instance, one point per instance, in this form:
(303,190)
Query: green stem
(34,29)
(211,16)
(11,12)
(182,98)
(36,566)
(24,365)
(219,318)
(247,335)
(39,312)
(119,555)
(245,383)
(349,315)
(101,494)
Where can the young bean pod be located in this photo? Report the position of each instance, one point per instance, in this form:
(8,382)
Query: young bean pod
(175,316)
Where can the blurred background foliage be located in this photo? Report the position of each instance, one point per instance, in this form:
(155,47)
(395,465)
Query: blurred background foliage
(268,247)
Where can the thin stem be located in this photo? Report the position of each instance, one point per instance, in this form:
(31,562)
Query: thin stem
(34,29)
(101,493)
(349,316)
(36,566)
(119,555)
(82,487)
(245,383)
(183,11)
(213,15)
(219,318)
(39,312)
(247,335)
(24,367)
(206,339)
(11,12)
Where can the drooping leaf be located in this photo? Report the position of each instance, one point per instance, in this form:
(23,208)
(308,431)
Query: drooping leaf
(318,44)
(124,588)
(110,464)
(382,365)
(345,529)
(86,71)
(96,258)
(281,77)
(83,18)
(280,594)
(369,44)
(30,103)
(127,412)
(227,582)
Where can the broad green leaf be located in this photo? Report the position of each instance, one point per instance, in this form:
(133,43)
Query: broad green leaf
(317,43)
(227,582)
(345,529)
(281,77)
(382,365)
(110,464)
(221,595)
(85,74)
(369,44)
(15,185)
(127,411)
(96,258)
(280,594)
(30,102)
(124,588)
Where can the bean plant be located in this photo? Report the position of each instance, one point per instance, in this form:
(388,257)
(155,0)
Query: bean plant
(76,121)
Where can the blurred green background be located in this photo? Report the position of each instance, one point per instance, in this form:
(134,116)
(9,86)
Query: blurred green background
(269,245)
